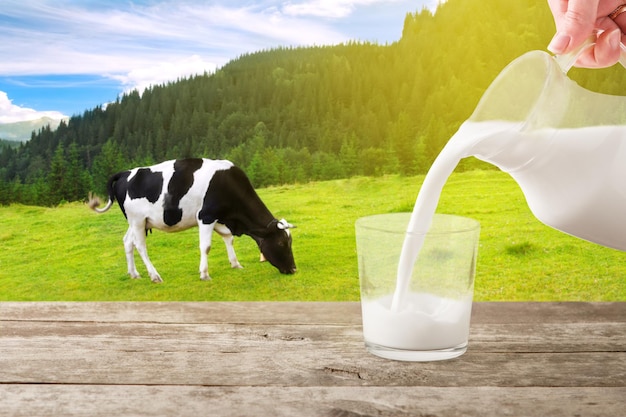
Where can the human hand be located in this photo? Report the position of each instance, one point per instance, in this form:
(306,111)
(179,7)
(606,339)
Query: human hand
(577,20)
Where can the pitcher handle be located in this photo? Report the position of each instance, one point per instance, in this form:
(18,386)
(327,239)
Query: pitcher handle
(567,61)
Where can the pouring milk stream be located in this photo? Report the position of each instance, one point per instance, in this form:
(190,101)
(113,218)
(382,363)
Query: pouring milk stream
(564,145)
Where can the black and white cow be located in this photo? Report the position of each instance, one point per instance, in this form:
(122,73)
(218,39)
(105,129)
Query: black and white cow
(213,195)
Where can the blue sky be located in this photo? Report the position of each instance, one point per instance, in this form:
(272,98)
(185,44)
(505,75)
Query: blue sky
(61,57)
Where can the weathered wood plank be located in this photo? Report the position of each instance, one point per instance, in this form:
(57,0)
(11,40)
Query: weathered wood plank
(186,312)
(557,359)
(302,355)
(531,338)
(106,401)
(348,313)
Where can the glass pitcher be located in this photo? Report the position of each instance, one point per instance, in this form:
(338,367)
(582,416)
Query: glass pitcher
(564,145)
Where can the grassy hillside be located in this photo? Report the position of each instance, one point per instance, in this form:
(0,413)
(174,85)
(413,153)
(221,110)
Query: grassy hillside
(71,253)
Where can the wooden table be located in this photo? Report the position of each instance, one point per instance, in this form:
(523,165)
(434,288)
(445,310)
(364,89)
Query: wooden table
(303,359)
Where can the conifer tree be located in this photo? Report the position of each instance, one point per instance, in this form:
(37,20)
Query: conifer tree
(56,177)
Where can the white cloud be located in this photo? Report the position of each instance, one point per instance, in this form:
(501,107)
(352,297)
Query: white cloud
(320,8)
(142,78)
(328,8)
(433,4)
(10,113)
(76,38)
(142,43)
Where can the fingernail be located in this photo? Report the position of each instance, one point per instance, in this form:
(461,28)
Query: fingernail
(615,38)
(559,43)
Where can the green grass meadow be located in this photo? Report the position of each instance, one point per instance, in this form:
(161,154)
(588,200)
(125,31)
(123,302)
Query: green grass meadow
(70,253)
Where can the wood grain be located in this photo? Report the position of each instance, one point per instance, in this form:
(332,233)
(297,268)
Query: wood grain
(303,359)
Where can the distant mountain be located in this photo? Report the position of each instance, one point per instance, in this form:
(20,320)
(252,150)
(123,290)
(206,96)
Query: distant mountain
(21,131)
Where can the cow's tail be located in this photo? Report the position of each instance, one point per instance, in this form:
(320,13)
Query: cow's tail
(95,202)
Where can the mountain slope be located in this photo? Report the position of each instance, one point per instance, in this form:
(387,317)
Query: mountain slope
(22,131)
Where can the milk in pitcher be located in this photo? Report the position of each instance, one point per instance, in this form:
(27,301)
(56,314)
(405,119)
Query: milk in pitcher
(574,180)
(564,145)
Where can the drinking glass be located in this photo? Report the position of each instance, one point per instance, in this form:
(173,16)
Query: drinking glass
(432,320)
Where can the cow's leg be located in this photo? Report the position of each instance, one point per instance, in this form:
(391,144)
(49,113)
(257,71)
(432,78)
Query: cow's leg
(139,239)
(129,248)
(206,233)
(228,238)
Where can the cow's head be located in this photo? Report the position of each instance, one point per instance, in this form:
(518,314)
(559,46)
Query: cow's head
(276,246)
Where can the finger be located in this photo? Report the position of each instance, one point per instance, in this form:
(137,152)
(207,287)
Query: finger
(558,7)
(576,25)
(605,52)
(581,16)
(619,21)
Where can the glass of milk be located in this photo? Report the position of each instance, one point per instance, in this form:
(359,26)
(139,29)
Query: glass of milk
(430,318)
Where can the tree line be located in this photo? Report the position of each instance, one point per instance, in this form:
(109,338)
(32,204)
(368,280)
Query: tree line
(299,114)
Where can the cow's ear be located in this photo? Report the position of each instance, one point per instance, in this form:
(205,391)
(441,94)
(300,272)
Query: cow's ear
(283,224)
